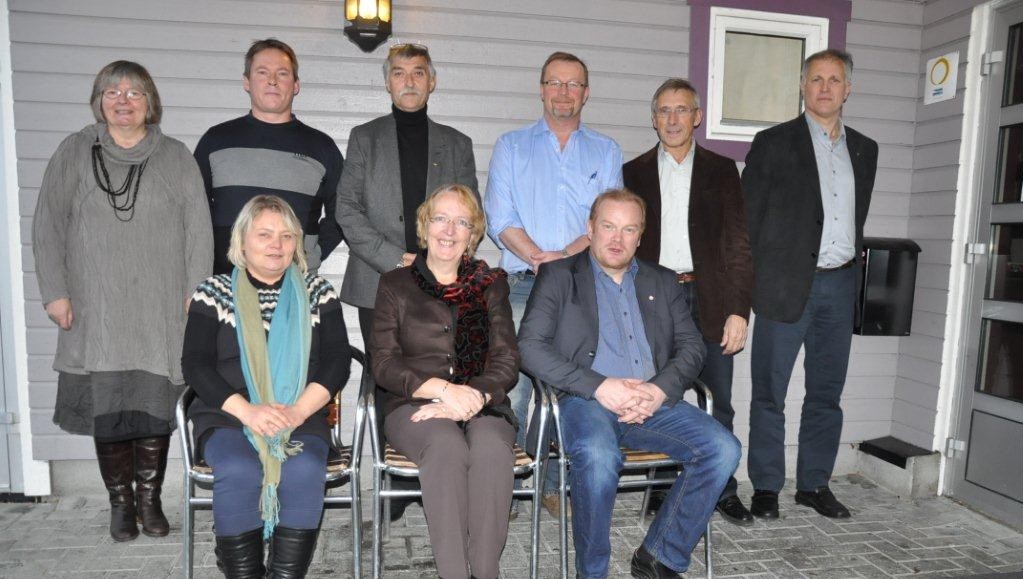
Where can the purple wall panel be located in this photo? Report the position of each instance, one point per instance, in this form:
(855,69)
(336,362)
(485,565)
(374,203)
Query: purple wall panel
(838,12)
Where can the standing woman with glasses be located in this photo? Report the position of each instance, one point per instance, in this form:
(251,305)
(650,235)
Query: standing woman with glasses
(121,236)
(444,356)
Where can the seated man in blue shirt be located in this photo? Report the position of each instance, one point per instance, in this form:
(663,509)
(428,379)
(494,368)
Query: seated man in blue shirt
(614,335)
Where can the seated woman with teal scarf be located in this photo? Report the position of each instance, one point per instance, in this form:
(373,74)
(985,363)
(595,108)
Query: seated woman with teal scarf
(265,350)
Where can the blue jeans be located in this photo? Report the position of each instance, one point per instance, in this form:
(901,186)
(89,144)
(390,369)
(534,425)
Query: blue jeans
(521,286)
(825,330)
(238,480)
(593,435)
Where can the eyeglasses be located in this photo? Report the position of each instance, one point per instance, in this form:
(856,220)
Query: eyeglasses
(611,229)
(665,112)
(572,85)
(444,220)
(115,93)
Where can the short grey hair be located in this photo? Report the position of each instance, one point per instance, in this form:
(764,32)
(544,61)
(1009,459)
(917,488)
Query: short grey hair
(829,54)
(674,84)
(111,74)
(248,214)
(407,50)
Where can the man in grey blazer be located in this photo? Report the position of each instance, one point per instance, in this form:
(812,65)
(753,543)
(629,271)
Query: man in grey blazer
(395,161)
(615,337)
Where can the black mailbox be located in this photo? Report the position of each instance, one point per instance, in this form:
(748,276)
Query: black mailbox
(885,304)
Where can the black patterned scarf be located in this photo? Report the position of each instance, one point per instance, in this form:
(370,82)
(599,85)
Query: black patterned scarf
(472,324)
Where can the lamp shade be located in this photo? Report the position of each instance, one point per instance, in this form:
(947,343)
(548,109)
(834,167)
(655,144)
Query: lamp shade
(367,22)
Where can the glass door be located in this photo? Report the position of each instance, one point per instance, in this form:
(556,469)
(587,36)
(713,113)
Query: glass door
(988,475)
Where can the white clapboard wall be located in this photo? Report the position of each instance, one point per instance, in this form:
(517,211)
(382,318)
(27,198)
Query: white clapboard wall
(488,55)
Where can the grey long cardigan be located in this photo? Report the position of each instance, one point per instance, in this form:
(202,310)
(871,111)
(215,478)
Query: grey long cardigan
(127,281)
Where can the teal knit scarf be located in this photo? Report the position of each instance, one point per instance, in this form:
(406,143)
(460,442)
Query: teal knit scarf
(275,368)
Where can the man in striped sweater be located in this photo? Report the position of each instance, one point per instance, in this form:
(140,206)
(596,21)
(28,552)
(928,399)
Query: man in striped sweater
(269,151)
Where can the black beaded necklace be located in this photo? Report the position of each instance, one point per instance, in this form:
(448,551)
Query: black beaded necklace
(127,205)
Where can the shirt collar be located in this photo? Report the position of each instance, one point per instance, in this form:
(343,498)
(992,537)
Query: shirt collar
(818,132)
(687,161)
(543,127)
(599,271)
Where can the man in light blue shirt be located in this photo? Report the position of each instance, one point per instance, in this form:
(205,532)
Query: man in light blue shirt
(543,179)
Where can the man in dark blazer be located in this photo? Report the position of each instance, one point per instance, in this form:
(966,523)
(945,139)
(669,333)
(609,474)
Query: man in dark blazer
(395,161)
(807,184)
(614,336)
(697,195)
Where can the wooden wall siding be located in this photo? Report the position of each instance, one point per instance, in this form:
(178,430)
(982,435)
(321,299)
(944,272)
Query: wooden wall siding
(946,27)
(488,55)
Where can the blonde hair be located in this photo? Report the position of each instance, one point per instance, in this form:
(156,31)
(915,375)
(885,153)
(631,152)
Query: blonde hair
(621,196)
(248,214)
(468,199)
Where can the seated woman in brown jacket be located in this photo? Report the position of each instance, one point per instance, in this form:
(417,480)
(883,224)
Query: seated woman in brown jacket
(444,355)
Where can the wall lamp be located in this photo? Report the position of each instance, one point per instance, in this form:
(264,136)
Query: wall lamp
(367,22)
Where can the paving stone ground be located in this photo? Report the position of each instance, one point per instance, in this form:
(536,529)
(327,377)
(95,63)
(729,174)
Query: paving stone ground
(886,537)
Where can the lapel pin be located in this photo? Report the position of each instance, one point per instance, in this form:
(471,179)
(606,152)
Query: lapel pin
(651,298)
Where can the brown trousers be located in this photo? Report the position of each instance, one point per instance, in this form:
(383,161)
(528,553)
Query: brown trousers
(467,487)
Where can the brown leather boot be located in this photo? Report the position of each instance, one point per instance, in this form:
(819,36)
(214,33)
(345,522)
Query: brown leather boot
(150,466)
(116,467)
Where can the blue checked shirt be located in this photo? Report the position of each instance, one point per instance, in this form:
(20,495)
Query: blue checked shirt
(538,187)
(622,348)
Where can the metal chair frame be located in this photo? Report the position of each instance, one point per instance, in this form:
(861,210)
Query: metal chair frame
(201,476)
(383,471)
(705,401)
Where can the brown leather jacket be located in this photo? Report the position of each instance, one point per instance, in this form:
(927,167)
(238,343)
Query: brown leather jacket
(414,339)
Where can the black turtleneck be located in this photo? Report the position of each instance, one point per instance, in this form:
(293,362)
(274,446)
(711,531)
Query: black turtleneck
(413,152)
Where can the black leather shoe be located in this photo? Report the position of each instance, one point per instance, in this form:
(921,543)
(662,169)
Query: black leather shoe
(644,566)
(398,507)
(824,502)
(656,500)
(733,511)
(764,504)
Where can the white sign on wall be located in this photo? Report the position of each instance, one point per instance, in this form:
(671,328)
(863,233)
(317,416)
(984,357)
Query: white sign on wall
(940,76)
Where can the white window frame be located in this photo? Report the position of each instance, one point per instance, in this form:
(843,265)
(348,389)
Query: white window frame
(813,30)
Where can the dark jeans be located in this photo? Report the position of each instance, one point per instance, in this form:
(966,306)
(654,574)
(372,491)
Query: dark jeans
(717,375)
(825,330)
(593,436)
(238,483)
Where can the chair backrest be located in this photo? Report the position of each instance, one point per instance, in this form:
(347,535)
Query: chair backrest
(336,432)
(551,395)
(704,401)
(367,393)
(189,395)
(184,428)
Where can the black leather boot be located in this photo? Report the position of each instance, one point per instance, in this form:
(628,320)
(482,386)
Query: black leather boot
(116,466)
(291,551)
(150,466)
(241,556)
